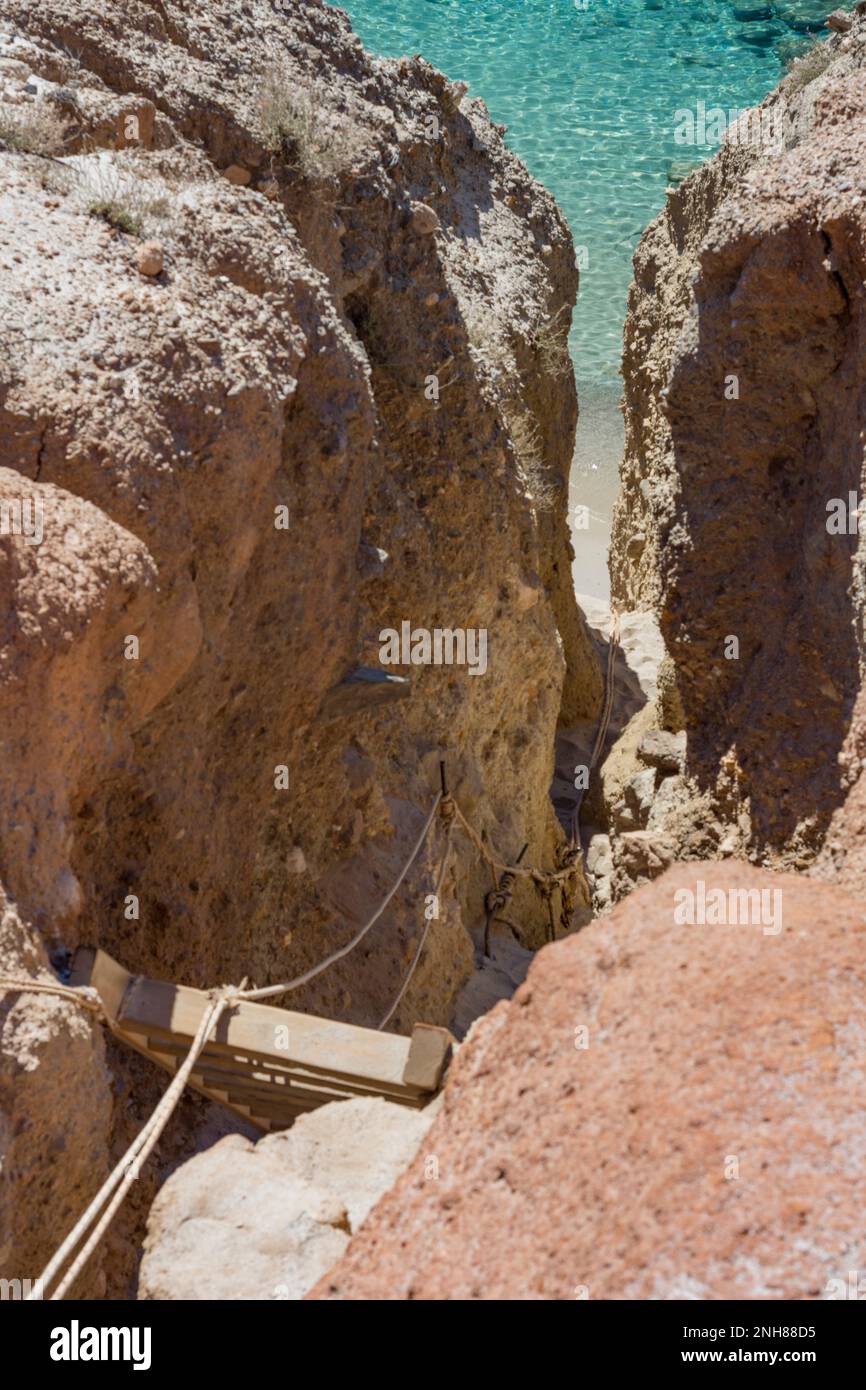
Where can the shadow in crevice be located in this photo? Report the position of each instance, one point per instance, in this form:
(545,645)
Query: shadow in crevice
(635,665)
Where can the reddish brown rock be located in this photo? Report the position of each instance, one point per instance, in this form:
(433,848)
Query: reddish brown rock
(149,258)
(743,370)
(706,1143)
(424,220)
(237,174)
(843,857)
(222,447)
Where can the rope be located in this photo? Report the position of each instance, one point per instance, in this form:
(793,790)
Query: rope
(538,876)
(504,922)
(545,881)
(311,974)
(613,647)
(110,1196)
(439,881)
(451,813)
(604,720)
(118,1182)
(547,894)
(498,898)
(86,997)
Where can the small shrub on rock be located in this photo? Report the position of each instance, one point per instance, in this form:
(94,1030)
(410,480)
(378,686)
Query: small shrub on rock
(31,129)
(294,126)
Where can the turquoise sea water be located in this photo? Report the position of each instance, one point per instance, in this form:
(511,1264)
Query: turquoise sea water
(589,95)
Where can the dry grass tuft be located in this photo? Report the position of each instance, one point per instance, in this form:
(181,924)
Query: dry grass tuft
(484,332)
(31,129)
(526,443)
(550,341)
(802,71)
(120,195)
(294,126)
(116,215)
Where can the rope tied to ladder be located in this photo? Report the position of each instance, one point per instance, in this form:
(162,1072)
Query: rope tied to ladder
(330,960)
(83,1239)
(84,996)
(91,1227)
(517,870)
(547,890)
(448,809)
(440,879)
(498,898)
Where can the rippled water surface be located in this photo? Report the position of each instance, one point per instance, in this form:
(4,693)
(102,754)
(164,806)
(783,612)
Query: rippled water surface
(589,96)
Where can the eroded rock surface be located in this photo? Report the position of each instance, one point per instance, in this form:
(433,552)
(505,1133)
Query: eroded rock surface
(663,1111)
(239,257)
(50,1148)
(743,366)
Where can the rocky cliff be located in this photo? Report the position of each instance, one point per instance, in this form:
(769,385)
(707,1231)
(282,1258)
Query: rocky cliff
(283,368)
(285,371)
(736,521)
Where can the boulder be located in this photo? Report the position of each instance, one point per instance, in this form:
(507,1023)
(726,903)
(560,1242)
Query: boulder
(663,750)
(639,794)
(265,1220)
(424,219)
(663,1111)
(149,258)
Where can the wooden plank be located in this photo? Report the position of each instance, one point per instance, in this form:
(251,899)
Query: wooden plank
(244,1069)
(247,1057)
(301,1089)
(227,1063)
(263,1105)
(260,1121)
(154,1006)
(291,1088)
(194,1085)
(96,968)
(429,1054)
(140,1005)
(214,1089)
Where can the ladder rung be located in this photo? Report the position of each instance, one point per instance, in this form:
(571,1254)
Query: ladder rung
(244,1069)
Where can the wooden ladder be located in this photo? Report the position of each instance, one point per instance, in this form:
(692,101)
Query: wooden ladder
(268,1065)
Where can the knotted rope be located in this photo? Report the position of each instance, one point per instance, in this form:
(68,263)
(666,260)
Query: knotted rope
(85,996)
(498,898)
(112,1192)
(93,1224)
